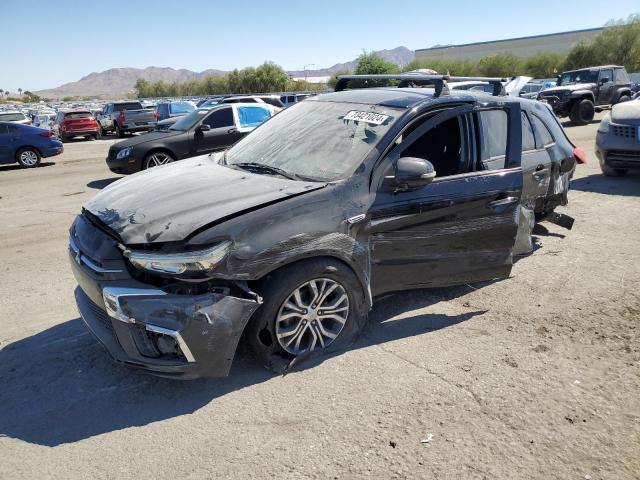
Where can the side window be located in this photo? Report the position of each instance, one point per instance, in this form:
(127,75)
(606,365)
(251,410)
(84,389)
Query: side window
(543,136)
(606,74)
(220,118)
(252,116)
(494,126)
(444,145)
(528,139)
(622,76)
(4,129)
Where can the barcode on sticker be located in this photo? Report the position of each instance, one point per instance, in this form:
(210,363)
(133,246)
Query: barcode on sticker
(367,117)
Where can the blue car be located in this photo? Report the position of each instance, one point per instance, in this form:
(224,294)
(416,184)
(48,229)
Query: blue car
(27,145)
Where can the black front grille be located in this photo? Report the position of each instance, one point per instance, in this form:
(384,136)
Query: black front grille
(624,131)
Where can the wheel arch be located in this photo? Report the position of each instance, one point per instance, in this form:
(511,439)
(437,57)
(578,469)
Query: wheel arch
(23,147)
(156,149)
(363,277)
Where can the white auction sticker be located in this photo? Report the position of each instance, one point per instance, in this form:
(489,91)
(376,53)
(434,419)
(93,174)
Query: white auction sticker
(367,117)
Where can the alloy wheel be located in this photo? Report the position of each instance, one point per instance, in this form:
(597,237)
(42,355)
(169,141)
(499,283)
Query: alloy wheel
(28,158)
(157,159)
(312,316)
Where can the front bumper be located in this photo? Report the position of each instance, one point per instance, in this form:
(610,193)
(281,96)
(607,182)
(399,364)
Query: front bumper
(620,151)
(173,335)
(559,104)
(126,165)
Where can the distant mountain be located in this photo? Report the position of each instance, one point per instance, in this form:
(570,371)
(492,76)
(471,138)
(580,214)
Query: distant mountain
(120,81)
(399,56)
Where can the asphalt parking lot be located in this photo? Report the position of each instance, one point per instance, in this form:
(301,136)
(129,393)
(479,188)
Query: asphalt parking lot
(536,376)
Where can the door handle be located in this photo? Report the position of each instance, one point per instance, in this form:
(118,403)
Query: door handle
(232,130)
(540,173)
(502,203)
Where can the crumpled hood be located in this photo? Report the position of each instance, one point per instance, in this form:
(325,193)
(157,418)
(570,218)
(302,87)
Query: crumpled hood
(572,87)
(167,203)
(626,112)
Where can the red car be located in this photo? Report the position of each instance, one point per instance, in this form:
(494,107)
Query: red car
(76,123)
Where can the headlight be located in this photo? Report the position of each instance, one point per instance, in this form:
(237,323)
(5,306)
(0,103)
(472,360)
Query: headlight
(196,264)
(604,124)
(124,153)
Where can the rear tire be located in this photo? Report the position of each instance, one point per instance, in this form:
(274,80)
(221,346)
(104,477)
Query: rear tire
(612,172)
(269,330)
(582,112)
(28,157)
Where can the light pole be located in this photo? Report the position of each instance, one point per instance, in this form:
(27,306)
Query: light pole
(305,70)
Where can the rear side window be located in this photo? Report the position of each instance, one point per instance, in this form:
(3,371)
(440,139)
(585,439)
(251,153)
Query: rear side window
(621,76)
(220,118)
(4,129)
(252,116)
(528,138)
(493,139)
(543,136)
(11,117)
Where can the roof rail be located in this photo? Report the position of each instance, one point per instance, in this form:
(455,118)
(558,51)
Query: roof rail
(439,82)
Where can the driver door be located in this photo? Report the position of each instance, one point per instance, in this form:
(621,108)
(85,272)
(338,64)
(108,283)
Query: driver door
(461,227)
(221,134)
(605,87)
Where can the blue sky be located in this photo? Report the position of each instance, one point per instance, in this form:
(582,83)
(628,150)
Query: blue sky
(47,43)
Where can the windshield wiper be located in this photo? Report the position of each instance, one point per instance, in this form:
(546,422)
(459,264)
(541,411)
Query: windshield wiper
(265,168)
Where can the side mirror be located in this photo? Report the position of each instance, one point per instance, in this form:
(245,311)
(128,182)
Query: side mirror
(413,173)
(604,80)
(203,128)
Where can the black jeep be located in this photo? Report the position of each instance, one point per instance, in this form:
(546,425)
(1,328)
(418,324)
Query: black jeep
(579,92)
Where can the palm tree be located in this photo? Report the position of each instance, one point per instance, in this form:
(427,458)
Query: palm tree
(20,91)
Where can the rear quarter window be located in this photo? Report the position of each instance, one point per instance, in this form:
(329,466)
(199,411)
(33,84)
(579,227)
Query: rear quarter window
(543,135)
(528,138)
(252,116)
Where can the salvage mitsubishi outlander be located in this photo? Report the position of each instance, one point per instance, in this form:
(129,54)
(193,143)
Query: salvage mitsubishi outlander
(289,236)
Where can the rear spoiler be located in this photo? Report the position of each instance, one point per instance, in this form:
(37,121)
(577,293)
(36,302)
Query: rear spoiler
(438,82)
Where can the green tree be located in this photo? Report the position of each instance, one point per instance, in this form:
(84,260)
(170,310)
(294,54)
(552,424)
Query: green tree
(19,91)
(618,43)
(544,65)
(371,64)
(500,65)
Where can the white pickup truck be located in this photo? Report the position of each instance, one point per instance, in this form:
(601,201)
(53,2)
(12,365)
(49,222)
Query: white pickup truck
(127,117)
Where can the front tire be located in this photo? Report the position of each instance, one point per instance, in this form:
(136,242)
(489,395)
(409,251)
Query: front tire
(308,306)
(582,112)
(156,159)
(28,157)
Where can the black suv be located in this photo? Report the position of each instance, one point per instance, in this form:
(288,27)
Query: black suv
(288,236)
(579,92)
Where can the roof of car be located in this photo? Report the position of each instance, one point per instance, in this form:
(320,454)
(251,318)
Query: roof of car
(593,68)
(405,97)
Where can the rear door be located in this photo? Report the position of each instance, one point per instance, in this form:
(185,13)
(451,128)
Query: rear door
(460,228)
(222,133)
(6,143)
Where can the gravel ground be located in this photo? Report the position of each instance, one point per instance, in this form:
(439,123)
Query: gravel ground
(535,376)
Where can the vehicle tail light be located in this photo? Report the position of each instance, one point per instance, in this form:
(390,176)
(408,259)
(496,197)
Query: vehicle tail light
(121,117)
(28,122)
(48,133)
(155,115)
(579,155)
